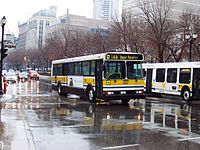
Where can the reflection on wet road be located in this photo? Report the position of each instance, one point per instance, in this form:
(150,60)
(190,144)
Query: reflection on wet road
(33,118)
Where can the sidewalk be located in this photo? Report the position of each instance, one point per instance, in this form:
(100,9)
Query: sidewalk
(14,129)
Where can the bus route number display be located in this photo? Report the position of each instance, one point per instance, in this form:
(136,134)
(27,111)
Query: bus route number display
(124,57)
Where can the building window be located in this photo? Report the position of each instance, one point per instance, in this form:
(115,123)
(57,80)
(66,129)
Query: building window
(47,23)
(62,21)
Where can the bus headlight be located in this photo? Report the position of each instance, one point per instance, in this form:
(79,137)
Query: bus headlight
(139,92)
(110,93)
(123,92)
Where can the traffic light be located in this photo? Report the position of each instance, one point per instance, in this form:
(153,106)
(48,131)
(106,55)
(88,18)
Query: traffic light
(3,53)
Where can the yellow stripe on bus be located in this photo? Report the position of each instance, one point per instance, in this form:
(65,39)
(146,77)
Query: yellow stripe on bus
(89,80)
(59,78)
(180,86)
(123,82)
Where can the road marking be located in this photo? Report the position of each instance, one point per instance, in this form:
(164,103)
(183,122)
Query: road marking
(122,146)
(187,139)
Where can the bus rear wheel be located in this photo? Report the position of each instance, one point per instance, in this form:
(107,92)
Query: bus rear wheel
(91,95)
(186,95)
(60,92)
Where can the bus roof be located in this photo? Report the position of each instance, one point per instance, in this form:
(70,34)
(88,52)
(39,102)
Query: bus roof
(172,65)
(112,56)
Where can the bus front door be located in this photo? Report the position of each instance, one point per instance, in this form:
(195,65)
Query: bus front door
(196,83)
(149,81)
(98,78)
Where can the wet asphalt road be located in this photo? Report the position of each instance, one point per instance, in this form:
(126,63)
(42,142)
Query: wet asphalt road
(36,118)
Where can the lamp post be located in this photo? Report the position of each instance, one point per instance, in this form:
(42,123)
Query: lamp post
(191,37)
(28,66)
(3,22)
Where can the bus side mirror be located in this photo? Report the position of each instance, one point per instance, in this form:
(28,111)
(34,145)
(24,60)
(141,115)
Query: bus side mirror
(144,73)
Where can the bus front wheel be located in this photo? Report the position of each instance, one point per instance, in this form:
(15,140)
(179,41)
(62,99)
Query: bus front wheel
(186,95)
(91,95)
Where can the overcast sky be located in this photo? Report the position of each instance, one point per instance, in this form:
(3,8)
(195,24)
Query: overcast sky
(20,10)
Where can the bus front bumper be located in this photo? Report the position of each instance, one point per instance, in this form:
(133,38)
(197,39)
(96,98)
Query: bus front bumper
(124,96)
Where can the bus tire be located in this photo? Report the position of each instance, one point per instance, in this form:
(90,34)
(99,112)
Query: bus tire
(91,95)
(59,87)
(186,95)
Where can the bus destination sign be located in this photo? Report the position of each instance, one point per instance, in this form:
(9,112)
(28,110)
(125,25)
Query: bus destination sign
(124,57)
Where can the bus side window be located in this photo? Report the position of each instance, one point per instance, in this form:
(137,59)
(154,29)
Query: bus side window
(77,68)
(92,67)
(54,70)
(86,68)
(71,69)
(65,71)
(60,69)
(160,75)
(185,75)
(171,75)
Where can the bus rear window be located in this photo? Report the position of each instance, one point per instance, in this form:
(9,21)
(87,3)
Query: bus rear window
(185,75)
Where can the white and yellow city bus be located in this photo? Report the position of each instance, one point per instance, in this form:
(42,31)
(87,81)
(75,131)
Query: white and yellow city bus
(106,76)
(182,79)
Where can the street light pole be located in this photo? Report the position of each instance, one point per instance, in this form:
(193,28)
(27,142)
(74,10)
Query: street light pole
(191,41)
(3,22)
(191,38)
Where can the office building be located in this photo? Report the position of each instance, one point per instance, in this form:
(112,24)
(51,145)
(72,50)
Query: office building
(32,33)
(106,9)
(10,41)
(178,6)
(77,23)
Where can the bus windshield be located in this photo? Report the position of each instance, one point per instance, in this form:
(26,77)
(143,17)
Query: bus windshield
(114,70)
(134,70)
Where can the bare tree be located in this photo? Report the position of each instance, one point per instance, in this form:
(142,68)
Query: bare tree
(65,36)
(54,45)
(190,24)
(77,43)
(120,31)
(101,41)
(159,26)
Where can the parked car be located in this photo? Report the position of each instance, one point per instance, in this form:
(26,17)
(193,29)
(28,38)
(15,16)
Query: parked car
(4,72)
(23,75)
(32,74)
(11,77)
